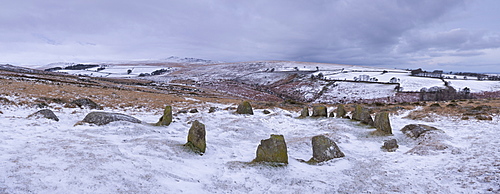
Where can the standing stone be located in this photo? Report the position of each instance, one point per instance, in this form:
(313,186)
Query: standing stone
(382,124)
(356,114)
(45,113)
(324,149)
(245,108)
(390,145)
(366,118)
(341,111)
(166,119)
(196,137)
(319,111)
(304,113)
(272,150)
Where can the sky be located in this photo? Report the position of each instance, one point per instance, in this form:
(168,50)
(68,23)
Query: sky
(450,35)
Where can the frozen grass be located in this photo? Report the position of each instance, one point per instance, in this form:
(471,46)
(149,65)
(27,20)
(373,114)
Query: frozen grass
(44,156)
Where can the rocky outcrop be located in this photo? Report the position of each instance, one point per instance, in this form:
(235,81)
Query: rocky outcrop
(103,118)
(416,130)
(430,140)
(86,103)
(319,111)
(383,124)
(324,149)
(390,145)
(196,138)
(245,108)
(166,119)
(272,150)
(45,113)
(341,113)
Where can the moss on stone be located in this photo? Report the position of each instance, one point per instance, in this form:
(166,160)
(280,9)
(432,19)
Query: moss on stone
(166,119)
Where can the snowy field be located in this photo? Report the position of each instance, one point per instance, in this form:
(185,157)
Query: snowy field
(44,156)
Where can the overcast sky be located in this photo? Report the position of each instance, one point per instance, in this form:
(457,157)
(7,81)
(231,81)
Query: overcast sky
(451,35)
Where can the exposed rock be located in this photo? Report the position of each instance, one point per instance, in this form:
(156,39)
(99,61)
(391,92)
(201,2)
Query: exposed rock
(266,112)
(341,111)
(194,110)
(45,113)
(484,117)
(213,109)
(1,112)
(196,137)
(182,112)
(103,118)
(86,103)
(245,108)
(304,113)
(52,100)
(390,145)
(166,119)
(332,114)
(383,124)
(272,150)
(319,111)
(416,130)
(324,149)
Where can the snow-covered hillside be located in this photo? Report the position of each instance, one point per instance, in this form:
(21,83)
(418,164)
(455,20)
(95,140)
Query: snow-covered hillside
(44,156)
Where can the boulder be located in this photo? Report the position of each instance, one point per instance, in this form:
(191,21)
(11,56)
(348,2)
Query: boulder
(319,111)
(45,113)
(324,149)
(212,109)
(86,103)
(416,130)
(304,113)
(341,113)
(390,145)
(382,124)
(272,150)
(103,118)
(266,112)
(196,137)
(484,117)
(245,108)
(166,119)
(194,110)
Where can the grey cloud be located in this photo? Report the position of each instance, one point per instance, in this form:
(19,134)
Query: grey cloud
(365,32)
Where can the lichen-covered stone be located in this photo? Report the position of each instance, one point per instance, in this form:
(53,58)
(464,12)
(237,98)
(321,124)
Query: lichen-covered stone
(416,130)
(103,118)
(245,108)
(324,149)
(166,119)
(304,113)
(45,113)
(272,150)
(383,124)
(356,114)
(390,145)
(86,103)
(319,111)
(196,137)
(341,111)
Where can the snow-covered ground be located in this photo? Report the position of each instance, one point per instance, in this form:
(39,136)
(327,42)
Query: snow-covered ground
(44,156)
